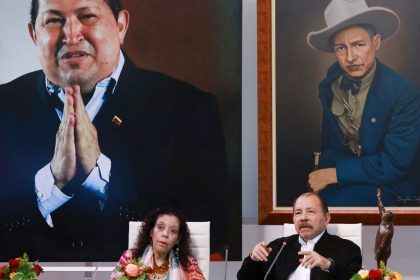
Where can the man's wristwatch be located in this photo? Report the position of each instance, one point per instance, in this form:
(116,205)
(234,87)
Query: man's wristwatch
(331,267)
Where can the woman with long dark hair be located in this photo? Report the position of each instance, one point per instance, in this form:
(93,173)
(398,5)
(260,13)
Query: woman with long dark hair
(164,247)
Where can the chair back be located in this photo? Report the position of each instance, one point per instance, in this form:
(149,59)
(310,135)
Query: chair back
(200,242)
(352,232)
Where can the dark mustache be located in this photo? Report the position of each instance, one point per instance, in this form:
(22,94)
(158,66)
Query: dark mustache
(305,225)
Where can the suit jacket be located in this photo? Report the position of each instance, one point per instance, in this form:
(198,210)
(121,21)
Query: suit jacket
(169,150)
(346,255)
(389,136)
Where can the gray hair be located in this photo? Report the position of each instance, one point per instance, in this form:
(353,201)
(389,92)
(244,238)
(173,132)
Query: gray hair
(323,203)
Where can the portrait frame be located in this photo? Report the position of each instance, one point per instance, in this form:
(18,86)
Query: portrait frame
(268,211)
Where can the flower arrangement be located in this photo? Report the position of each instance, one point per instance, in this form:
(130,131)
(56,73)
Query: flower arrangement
(20,269)
(383,273)
(134,270)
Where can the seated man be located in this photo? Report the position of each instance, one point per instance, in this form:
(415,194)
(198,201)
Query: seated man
(310,254)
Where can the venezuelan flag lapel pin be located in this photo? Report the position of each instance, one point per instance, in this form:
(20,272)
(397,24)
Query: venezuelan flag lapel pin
(117,120)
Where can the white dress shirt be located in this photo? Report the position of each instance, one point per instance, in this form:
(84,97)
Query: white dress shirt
(302,273)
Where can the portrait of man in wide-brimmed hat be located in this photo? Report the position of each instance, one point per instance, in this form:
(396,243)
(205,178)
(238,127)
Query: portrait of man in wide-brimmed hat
(370,114)
(303,55)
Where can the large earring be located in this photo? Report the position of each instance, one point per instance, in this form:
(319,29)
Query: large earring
(177,251)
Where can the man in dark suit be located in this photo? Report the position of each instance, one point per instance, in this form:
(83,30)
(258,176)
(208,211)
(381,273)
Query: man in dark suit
(93,142)
(371,116)
(310,254)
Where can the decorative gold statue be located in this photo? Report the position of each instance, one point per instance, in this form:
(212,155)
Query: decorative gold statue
(385,232)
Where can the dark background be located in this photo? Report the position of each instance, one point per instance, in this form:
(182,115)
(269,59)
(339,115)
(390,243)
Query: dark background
(299,69)
(198,42)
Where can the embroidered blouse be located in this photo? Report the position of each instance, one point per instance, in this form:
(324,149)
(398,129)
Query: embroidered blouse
(192,273)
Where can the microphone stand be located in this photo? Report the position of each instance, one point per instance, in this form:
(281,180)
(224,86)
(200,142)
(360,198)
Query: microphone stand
(96,270)
(226,259)
(275,259)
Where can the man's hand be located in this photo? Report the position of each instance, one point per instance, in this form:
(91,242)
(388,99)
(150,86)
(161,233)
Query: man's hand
(86,137)
(63,163)
(312,259)
(76,143)
(260,252)
(321,178)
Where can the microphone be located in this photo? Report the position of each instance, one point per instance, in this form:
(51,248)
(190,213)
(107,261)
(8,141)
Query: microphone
(275,259)
(226,259)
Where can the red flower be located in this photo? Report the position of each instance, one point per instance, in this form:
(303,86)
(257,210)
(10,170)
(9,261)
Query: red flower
(38,269)
(14,264)
(2,274)
(375,274)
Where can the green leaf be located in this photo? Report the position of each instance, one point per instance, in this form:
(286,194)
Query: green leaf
(385,271)
(356,277)
(19,276)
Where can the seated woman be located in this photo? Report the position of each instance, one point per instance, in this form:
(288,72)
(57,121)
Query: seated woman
(164,246)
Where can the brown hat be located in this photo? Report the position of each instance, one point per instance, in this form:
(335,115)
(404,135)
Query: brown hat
(340,14)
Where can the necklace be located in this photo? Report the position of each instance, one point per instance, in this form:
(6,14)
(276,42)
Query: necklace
(159,272)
